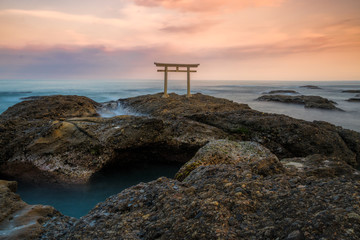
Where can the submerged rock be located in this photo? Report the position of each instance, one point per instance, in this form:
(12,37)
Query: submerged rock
(310,87)
(308,101)
(282,91)
(351,91)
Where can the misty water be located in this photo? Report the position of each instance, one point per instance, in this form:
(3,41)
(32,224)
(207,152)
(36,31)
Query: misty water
(78,200)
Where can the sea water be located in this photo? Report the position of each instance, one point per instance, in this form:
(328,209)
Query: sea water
(76,201)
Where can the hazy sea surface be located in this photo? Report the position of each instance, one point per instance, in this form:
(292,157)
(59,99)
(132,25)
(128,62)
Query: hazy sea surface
(11,92)
(78,200)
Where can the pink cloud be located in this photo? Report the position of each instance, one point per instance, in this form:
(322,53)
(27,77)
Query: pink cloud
(206,5)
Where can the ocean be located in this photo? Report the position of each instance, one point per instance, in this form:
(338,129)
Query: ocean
(12,92)
(76,201)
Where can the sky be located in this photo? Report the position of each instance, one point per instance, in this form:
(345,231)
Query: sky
(230,39)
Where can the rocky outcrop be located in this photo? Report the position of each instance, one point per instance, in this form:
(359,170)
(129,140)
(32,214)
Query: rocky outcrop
(19,220)
(286,136)
(233,153)
(180,105)
(282,91)
(307,101)
(353,100)
(62,148)
(233,185)
(312,198)
(65,149)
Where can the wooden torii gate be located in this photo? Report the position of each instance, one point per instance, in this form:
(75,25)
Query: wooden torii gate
(176,68)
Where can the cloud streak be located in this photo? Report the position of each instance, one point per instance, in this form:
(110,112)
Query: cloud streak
(206,5)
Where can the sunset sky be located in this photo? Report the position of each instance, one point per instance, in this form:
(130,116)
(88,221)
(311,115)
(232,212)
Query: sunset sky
(231,39)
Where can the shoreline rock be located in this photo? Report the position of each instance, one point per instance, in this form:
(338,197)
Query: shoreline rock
(247,174)
(307,101)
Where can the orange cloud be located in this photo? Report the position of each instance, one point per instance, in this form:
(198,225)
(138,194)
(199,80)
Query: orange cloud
(206,5)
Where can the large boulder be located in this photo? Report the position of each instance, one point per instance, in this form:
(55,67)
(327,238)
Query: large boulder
(216,152)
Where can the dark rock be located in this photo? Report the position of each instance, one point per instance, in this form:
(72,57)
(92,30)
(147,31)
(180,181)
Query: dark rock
(180,105)
(353,100)
(285,136)
(308,101)
(310,87)
(282,91)
(351,91)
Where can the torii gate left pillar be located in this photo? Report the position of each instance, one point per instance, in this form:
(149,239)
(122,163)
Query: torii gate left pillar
(176,68)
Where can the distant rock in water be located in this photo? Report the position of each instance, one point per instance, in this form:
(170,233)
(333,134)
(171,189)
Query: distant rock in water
(30,98)
(308,101)
(281,91)
(353,100)
(310,87)
(351,91)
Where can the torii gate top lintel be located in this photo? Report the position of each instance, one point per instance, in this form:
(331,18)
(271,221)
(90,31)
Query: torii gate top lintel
(177,66)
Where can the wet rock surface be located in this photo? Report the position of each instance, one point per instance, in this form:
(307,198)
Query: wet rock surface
(307,101)
(246,174)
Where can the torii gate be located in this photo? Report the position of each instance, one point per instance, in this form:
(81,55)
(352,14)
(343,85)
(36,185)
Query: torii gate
(176,66)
